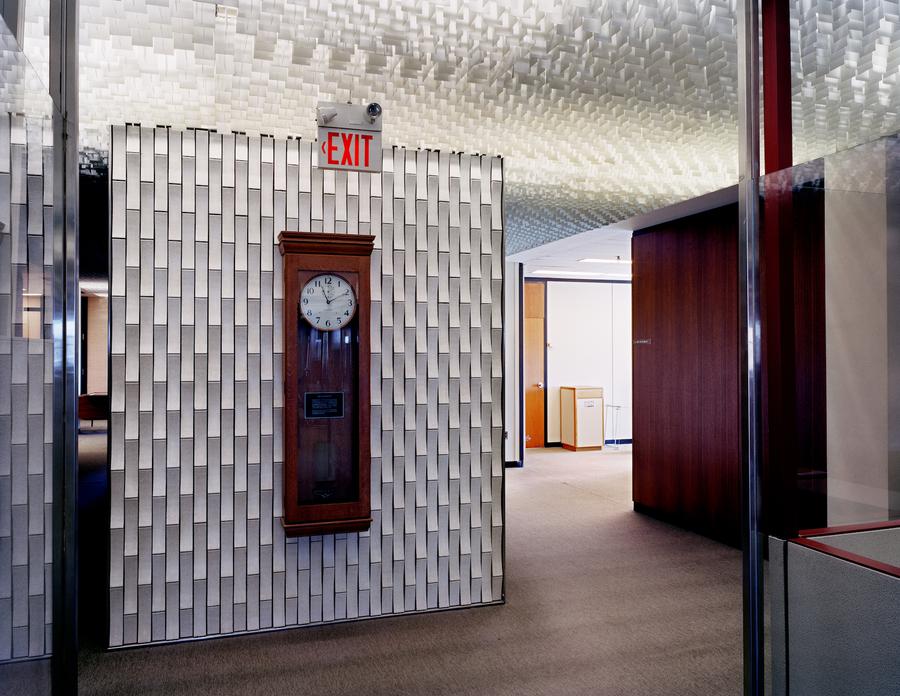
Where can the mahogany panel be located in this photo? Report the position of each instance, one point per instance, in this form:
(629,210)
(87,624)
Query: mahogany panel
(792,297)
(776,75)
(849,556)
(686,454)
(848,528)
(687,411)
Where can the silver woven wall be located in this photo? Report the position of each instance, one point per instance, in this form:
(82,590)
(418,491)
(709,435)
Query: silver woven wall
(26,385)
(196,543)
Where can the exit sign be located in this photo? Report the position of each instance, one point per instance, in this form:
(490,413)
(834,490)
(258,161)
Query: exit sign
(345,149)
(349,137)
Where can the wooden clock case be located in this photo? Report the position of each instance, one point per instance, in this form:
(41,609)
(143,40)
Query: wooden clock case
(306,255)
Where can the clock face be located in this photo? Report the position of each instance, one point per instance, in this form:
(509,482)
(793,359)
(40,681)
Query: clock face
(328,302)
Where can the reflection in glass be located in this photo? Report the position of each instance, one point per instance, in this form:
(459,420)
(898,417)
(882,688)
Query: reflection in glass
(328,461)
(835,582)
(26,369)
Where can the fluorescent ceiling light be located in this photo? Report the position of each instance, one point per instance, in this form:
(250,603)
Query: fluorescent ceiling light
(615,260)
(94,286)
(550,271)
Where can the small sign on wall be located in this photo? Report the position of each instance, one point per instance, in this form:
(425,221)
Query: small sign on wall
(349,136)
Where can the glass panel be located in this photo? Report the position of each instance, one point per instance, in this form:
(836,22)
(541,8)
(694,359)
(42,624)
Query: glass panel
(836,221)
(830,242)
(328,331)
(26,363)
(836,578)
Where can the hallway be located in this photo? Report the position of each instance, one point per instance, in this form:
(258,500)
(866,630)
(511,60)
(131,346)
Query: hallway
(600,600)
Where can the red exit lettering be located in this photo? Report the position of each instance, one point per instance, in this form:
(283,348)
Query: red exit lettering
(347,149)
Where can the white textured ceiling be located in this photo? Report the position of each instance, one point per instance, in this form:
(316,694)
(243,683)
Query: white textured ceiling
(602,108)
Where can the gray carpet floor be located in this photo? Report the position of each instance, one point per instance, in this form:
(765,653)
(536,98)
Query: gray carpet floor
(600,600)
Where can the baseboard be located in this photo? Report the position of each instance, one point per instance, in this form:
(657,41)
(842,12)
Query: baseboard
(514,465)
(552,444)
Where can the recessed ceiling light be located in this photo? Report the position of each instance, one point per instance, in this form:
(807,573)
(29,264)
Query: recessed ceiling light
(94,287)
(618,259)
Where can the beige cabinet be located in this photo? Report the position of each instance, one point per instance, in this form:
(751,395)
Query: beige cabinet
(581,417)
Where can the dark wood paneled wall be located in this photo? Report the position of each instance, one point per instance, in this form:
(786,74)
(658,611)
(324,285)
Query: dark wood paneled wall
(687,415)
(686,373)
(792,274)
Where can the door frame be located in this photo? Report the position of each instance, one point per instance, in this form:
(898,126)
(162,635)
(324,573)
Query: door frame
(63,46)
(521,329)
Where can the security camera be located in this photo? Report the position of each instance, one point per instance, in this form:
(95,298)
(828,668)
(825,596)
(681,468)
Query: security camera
(373,111)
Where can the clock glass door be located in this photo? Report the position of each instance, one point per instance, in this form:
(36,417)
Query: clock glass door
(327,385)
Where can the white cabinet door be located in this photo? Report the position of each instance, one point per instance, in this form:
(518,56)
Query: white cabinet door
(589,414)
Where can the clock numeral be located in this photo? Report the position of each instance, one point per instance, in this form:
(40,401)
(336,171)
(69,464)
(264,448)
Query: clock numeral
(347,313)
(309,313)
(305,300)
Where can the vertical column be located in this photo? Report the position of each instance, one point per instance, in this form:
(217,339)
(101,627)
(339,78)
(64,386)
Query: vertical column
(7,300)
(155,439)
(496,396)
(122,223)
(221,504)
(179,470)
(33,325)
(138,377)
(478,429)
(448,466)
(748,200)
(460,559)
(273,539)
(178,280)
(448,367)
(370,542)
(394,171)
(272,207)
(291,546)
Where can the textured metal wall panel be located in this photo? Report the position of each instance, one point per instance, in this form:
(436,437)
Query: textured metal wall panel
(197,546)
(26,386)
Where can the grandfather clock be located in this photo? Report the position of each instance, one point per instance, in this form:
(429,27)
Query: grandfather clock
(327,463)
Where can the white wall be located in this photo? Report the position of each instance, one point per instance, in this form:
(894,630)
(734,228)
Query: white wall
(97,344)
(589,343)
